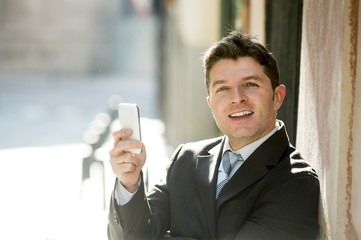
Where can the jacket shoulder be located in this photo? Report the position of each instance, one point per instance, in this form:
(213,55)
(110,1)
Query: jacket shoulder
(189,151)
(300,166)
(203,146)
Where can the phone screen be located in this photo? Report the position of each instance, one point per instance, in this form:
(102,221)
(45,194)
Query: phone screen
(129,118)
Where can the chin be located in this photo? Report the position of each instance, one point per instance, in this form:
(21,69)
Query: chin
(246,137)
(242,133)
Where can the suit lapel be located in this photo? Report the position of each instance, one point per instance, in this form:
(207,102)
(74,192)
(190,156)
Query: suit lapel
(256,166)
(207,170)
(248,173)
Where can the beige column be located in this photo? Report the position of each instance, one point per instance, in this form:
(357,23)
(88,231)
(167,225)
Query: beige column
(192,27)
(329,110)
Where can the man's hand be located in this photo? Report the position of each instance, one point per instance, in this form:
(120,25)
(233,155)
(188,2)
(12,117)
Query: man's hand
(126,165)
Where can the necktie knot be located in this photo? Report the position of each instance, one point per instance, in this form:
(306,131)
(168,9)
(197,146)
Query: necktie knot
(230,160)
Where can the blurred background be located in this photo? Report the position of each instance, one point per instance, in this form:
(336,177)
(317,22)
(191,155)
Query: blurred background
(65,66)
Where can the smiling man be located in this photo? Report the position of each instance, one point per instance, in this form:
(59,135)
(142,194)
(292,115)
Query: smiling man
(249,184)
(242,100)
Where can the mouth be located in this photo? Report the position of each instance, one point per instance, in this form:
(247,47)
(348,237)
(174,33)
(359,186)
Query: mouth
(240,114)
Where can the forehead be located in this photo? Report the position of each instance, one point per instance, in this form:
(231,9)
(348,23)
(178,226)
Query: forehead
(242,68)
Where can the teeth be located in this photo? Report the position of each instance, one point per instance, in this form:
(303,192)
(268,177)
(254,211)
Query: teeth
(240,114)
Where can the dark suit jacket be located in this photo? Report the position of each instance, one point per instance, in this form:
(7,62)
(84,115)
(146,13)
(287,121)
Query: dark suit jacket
(273,195)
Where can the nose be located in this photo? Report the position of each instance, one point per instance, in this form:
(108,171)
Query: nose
(238,96)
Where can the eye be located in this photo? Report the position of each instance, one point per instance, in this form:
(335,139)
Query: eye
(251,84)
(221,89)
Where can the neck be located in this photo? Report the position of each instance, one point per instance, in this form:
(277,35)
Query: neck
(238,143)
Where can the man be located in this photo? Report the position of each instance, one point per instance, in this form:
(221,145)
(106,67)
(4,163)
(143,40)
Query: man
(269,191)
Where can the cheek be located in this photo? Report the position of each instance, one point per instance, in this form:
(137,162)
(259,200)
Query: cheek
(217,111)
(215,103)
(266,105)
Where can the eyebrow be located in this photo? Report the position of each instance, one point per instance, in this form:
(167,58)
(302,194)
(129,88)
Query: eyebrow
(254,77)
(218,82)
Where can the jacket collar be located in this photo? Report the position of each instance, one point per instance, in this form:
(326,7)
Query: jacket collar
(259,163)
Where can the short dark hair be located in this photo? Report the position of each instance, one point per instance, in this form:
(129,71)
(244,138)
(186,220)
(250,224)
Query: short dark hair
(237,45)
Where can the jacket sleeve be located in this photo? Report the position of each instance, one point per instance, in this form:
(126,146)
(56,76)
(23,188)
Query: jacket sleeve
(144,216)
(129,221)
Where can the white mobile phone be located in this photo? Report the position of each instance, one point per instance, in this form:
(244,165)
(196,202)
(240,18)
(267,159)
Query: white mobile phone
(129,118)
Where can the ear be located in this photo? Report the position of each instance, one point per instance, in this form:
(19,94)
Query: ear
(279,95)
(209,101)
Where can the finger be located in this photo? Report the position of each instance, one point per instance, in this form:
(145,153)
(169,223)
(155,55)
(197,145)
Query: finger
(128,167)
(120,169)
(124,146)
(116,160)
(126,157)
(120,134)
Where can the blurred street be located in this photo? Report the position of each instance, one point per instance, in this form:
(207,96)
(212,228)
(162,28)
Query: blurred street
(42,123)
(65,64)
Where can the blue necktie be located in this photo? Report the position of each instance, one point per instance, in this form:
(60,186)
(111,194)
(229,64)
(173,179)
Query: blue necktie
(228,161)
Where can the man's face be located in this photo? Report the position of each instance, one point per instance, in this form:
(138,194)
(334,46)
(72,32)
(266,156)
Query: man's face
(242,100)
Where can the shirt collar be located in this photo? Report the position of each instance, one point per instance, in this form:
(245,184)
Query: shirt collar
(247,150)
